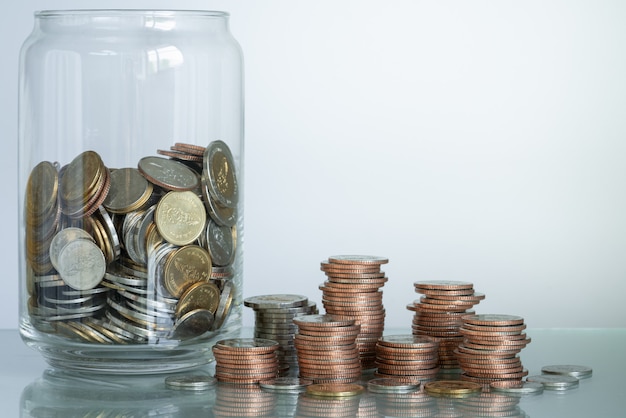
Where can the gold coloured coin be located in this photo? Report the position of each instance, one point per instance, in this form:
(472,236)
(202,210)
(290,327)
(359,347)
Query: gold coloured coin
(200,295)
(185,266)
(452,388)
(180,217)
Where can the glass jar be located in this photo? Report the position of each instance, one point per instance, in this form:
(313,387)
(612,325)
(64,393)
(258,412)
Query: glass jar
(130,188)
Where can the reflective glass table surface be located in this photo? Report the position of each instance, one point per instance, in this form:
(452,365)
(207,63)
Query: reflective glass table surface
(30,388)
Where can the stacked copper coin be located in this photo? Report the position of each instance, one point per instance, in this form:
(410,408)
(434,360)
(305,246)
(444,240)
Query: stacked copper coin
(490,348)
(245,360)
(274,320)
(408,358)
(327,350)
(439,314)
(353,291)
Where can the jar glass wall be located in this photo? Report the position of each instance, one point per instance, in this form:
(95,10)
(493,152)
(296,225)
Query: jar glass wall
(130,188)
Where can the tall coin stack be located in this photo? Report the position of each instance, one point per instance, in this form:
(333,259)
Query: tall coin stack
(489,351)
(327,349)
(274,320)
(352,290)
(439,313)
(245,361)
(407,358)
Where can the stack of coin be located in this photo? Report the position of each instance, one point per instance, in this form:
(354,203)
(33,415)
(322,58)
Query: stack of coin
(326,348)
(352,290)
(243,401)
(92,232)
(439,314)
(407,358)
(489,351)
(274,316)
(245,361)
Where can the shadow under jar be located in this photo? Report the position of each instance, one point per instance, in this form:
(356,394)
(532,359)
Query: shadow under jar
(131,188)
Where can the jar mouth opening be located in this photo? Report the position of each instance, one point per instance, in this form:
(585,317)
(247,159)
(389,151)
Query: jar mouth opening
(130,12)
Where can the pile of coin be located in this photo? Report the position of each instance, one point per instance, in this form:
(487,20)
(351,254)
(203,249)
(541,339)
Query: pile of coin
(132,255)
(407,358)
(326,349)
(245,361)
(489,351)
(274,316)
(352,290)
(439,314)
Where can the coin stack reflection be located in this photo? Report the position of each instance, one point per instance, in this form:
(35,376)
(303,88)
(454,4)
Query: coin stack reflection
(489,351)
(352,290)
(243,401)
(93,231)
(274,316)
(245,361)
(407,358)
(489,404)
(416,404)
(327,350)
(439,314)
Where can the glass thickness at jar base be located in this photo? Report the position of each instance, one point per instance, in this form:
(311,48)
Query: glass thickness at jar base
(130,180)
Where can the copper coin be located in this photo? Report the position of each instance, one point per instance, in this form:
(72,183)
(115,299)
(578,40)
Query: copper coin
(443,284)
(358,259)
(321,321)
(494,319)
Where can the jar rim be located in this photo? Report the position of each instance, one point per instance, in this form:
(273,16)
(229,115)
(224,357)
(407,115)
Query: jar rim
(130,12)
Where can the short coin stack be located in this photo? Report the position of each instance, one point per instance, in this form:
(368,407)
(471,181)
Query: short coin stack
(327,350)
(274,320)
(407,358)
(352,290)
(245,361)
(490,348)
(439,314)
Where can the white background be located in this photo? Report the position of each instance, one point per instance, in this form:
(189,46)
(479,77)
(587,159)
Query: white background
(482,141)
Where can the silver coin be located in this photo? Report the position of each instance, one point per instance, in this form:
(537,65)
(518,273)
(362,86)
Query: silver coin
(219,168)
(554,382)
(220,214)
(128,190)
(358,259)
(62,238)
(388,385)
(220,241)
(579,372)
(190,382)
(514,387)
(275,301)
(245,343)
(81,264)
(225,303)
(285,384)
(167,173)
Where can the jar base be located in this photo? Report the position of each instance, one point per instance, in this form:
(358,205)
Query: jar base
(131,359)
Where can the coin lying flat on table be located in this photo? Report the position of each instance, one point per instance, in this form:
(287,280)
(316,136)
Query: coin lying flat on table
(554,382)
(388,385)
(190,382)
(516,387)
(579,372)
(452,388)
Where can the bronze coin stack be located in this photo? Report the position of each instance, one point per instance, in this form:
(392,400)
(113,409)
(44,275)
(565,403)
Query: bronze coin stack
(407,358)
(439,314)
(327,350)
(489,351)
(273,320)
(352,290)
(243,401)
(245,361)
(91,230)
